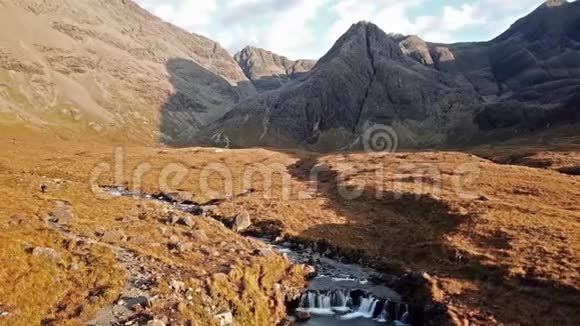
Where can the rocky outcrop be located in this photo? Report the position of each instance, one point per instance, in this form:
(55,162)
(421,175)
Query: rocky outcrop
(429,94)
(269,71)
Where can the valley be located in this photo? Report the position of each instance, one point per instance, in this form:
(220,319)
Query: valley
(149,177)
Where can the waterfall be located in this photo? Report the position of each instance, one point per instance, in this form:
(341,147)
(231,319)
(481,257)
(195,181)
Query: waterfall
(325,302)
(341,302)
(366,309)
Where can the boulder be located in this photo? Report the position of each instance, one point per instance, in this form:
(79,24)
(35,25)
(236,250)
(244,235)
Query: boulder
(187,221)
(242,222)
(185,247)
(155,322)
(302,315)
(309,271)
(225,318)
(199,235)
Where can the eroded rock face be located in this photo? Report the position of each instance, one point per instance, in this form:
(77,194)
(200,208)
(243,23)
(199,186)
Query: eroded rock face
(269,71)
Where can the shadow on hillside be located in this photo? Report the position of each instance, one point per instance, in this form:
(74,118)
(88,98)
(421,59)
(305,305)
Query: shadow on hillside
(199,98)
(403,233)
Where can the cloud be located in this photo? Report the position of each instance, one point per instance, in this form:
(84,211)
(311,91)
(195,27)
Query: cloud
(307,28)
(193,15)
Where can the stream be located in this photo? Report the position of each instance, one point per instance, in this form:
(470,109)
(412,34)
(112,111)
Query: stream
(340,294)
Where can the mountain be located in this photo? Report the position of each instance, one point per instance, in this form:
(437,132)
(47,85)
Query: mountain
(269,71)
(108,67)
(111,69)
(430,94)
(529,76)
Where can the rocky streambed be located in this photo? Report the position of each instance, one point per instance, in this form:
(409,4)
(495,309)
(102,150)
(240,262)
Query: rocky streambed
(337,294)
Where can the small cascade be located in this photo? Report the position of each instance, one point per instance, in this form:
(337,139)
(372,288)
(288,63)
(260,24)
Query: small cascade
(366,309)
(325,302)
(340,303)
(341,300)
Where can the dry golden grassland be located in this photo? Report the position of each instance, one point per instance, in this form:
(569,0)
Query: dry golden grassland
(500,243)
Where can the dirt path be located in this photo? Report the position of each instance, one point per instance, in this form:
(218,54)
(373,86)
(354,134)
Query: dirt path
(136,289)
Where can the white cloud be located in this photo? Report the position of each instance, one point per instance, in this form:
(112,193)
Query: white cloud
(189,14)
(307,28)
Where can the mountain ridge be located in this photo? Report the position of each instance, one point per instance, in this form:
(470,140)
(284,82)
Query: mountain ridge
(523,80)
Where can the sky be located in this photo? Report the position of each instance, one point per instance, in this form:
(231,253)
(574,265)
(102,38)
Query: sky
(308,28)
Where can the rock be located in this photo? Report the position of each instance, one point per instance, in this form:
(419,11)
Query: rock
(309,271)
(180,196)
(112,236)
(156,322)
(185,247)
(210,252)
(138,304)
(62,214)
(187,221)
(209,210)
(177,286)
(173,218)
(266,252)
(199,235)
(48,253)
(225,318)
(242,222)
(302,315)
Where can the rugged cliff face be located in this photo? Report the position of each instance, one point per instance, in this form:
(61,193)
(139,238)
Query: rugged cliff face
(110,67)
(269,71)
(365,79)
(430,94)
(528,76)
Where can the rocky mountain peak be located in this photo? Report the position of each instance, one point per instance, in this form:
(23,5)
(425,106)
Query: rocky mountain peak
(268,70)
